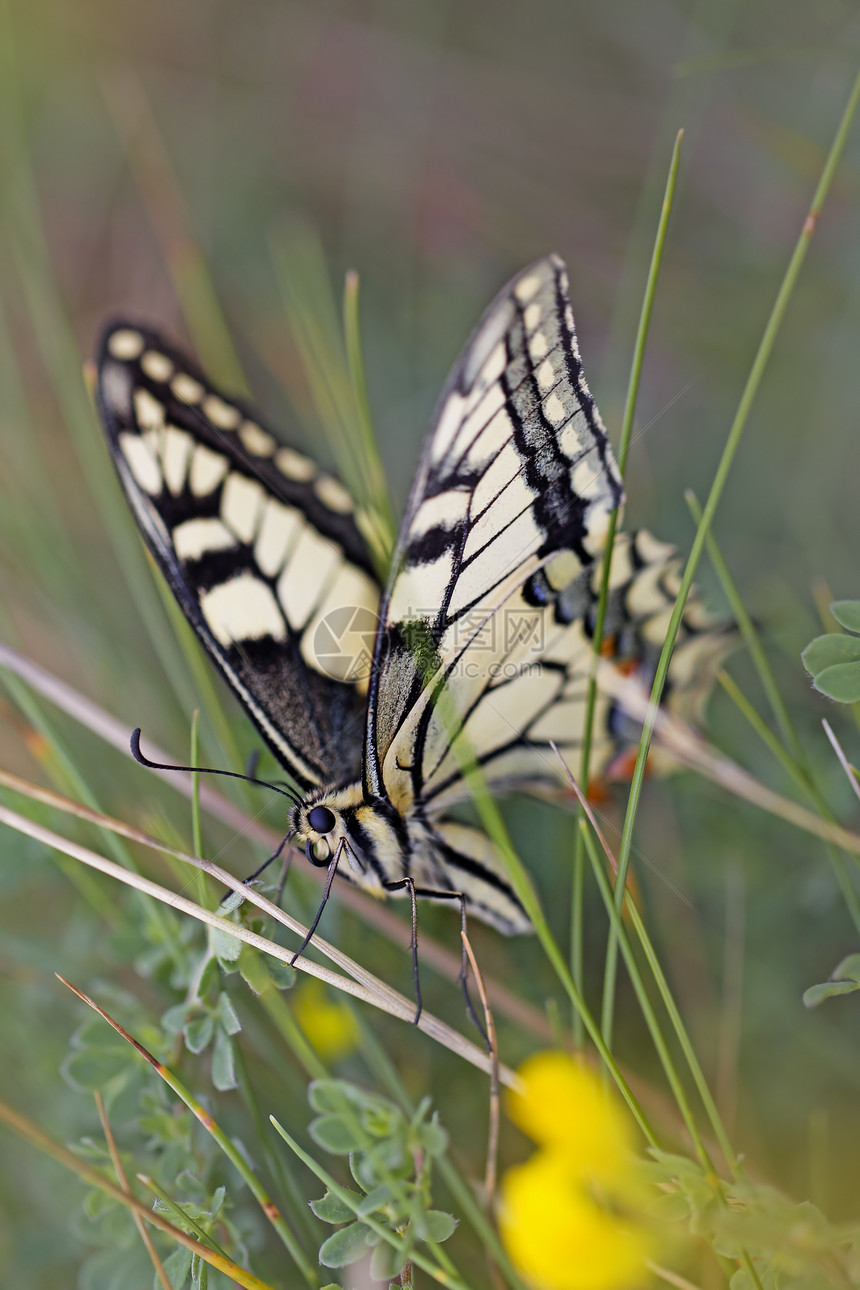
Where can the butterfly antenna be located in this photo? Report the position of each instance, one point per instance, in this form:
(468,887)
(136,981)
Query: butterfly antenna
(138,756)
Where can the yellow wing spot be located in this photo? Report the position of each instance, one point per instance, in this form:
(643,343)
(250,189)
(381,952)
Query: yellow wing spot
(546,375)
(532,316)
(554,410)
(333,495)
(242,609)
(177,449)
(141,463)
(149,412)
(208,468)
(241,503)
(125,344)
(526,289)
(186,389)
(256,440)
(158,367)
(538,346)
(562,569)
(222,415)
(194,538)
(279,527)
(294,465)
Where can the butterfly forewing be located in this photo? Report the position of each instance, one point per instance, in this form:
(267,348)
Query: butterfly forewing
(517,470)
(260,547)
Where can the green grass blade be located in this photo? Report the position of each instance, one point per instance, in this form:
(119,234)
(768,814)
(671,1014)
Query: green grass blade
(577,912)
(732,443)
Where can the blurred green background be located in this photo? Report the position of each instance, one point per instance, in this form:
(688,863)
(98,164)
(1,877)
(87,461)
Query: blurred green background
(436,148)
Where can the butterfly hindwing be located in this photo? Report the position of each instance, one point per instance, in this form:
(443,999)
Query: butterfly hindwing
(260,547)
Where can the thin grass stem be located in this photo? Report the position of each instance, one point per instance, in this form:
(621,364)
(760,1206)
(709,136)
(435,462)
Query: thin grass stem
(606,567)
(747,399)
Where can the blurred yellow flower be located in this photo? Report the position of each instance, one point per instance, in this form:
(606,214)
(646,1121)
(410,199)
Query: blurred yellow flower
(573,1217)
(563,1103)
(329,1025)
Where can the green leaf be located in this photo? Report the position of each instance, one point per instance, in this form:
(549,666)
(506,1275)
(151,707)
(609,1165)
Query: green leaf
(209,977)
(227,1015)
(337,1094)
(331,1209)
(435,1225)
(223,1065)
(844,979)
(376,1199)
(283,976)
(336,1134)
(847,970)
(826,651)
(847,612)
(177,1266)
(174,1019)
(841,682)
(386,1262)
(344,1247)
(93,1069)
(226,947)
(198,1032)
(433,1138)
(828,990)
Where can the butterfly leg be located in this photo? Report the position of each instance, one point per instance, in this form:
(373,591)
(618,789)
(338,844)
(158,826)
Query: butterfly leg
(260,868)
(463,978)
(409,885)
(332,870)
(414,892)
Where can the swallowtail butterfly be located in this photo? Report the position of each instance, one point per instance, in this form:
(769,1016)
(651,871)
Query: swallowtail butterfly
(489,604)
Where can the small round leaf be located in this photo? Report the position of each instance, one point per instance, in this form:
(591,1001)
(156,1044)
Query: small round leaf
(344,1247)
(331,1209)
(435,1225)
(841,682)
(198,1032)
(826,651)
(847,612)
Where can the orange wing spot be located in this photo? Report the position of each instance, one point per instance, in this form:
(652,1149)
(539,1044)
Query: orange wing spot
(598,791)
(608,646)
(622,766)
(628,666)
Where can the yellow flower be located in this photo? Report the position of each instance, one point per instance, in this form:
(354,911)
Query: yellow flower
(562,1238)
(562,1102)
(330,1026)
(573,1216)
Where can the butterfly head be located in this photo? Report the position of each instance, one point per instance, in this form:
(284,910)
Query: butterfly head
(321,825)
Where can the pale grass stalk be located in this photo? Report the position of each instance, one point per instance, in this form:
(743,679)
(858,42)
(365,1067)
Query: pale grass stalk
(122,1179)
(843,760)
(248,1175)
(690,749)
(31,1133)
(372,912)
(491,1171)
(360,983)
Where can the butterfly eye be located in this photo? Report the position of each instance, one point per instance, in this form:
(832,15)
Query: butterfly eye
(321,819)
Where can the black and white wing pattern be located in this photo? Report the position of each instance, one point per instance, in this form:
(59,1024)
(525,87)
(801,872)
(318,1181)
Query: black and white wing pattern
(487,648)
(509,510)
(260,547)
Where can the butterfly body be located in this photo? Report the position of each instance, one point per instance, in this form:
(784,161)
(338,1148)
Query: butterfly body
(477,650)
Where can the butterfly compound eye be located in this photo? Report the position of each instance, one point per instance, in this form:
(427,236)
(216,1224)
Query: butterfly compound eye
(321,819)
